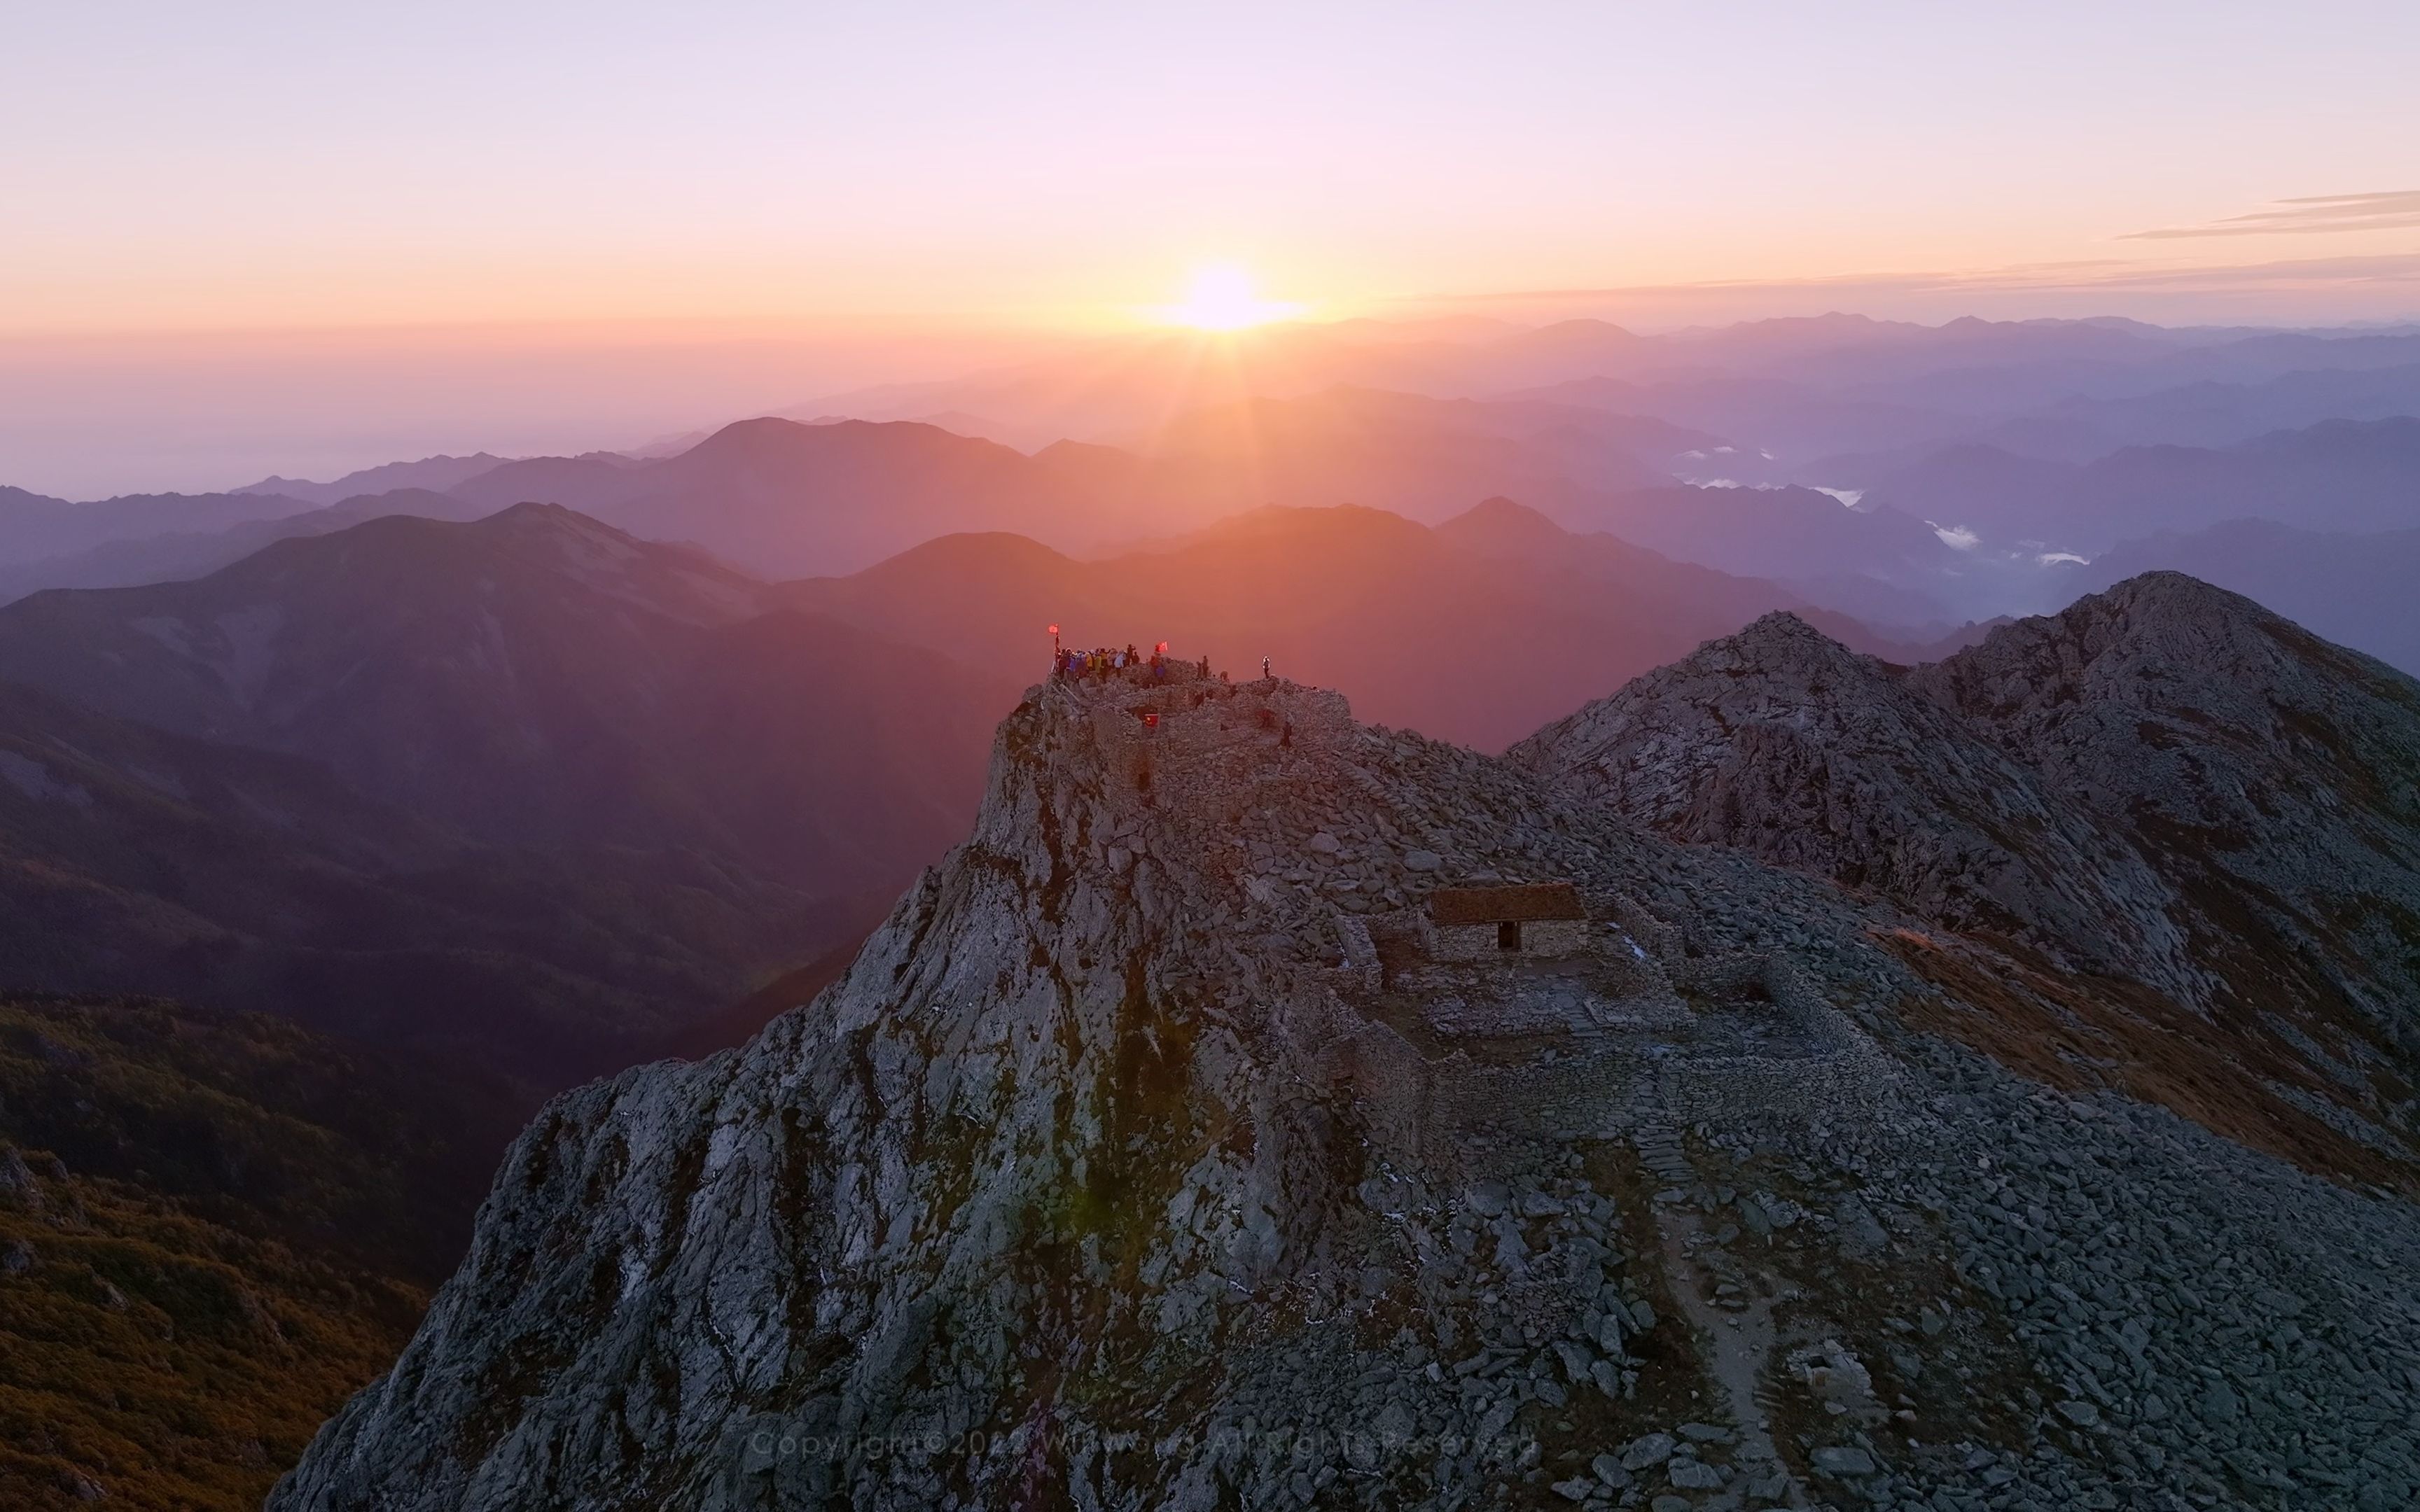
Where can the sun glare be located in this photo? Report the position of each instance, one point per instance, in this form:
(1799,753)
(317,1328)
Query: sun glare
(1223,298)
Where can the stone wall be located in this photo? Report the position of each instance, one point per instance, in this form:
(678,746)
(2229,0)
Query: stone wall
(1478,942)
(1554,936)
(1391,1083)
(1462,942)
(1842,1074)
(1661,941)
(1360,952)
(1579,1095)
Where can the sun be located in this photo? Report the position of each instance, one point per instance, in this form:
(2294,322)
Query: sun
(1222,298)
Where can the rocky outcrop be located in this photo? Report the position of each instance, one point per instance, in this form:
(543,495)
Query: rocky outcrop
(1093,1184)
(2273,778)
(2164,783)
(1784,744)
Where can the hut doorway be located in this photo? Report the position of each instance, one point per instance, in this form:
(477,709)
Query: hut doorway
(1508,936)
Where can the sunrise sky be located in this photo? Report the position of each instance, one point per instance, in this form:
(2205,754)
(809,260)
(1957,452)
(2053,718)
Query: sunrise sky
(893,186)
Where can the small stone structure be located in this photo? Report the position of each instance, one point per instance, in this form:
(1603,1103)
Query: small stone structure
(1538,918)
(1762,1048)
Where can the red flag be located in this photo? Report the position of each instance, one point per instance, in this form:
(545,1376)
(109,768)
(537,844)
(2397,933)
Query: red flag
(1163,648)
(1054,629)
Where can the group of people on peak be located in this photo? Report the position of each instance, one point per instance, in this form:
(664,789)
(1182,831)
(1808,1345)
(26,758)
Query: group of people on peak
(1104,661)
(1109,661)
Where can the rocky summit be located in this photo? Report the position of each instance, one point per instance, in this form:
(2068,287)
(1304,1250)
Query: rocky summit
(1948,1098)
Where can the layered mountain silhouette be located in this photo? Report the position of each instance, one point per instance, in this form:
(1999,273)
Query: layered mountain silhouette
(536,678)
(1474,631)
(34,527)
(2337,475)
(1986,453)
(175,555)
(782,499)
(429,474)
(1417,457)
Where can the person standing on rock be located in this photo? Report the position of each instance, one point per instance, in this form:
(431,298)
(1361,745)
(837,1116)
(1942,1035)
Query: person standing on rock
(1265,669)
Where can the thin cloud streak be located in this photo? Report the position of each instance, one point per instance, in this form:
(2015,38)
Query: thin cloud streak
(2392,210)
(2082,277)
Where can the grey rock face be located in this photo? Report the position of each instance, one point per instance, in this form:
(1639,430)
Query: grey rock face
(2164,784)
(1806,754)
(1112,1175)
(1844,1462)
(2274,778)
(17,1184)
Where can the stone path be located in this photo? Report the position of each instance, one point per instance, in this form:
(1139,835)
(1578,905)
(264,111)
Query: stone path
(1739,1340)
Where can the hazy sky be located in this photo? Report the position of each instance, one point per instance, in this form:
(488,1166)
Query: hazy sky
(857,172)
(234,164)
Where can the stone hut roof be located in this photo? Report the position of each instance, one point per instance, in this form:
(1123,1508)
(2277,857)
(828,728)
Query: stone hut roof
(1520,902)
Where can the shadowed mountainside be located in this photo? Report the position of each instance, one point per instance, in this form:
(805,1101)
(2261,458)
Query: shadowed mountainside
(540,678)
(132,859)
(213,1226)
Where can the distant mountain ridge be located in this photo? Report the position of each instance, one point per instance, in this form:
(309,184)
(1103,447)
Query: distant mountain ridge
(2339,475)
(1473,630)
(434,474)
(786,499)
(781,498)
(32,527)
(177,555)
(539,678)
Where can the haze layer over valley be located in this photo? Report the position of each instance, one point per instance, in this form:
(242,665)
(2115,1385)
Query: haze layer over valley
(1913,477)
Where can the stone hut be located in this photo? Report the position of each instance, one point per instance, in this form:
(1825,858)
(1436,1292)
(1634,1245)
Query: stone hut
(1536,918)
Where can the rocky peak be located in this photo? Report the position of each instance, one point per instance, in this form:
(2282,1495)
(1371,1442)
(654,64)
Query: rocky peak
(1779,637)
(1147,1157)
(1783,743)
(2164,783)
(2272,777)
